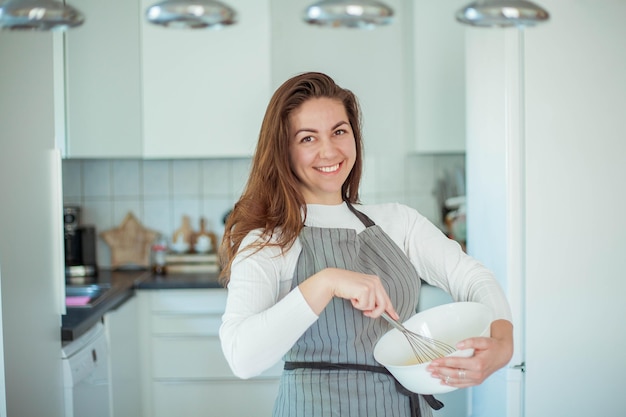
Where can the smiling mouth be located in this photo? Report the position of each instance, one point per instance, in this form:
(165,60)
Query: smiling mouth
(329,169)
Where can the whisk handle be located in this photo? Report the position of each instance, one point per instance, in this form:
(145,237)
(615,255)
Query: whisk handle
(393,322)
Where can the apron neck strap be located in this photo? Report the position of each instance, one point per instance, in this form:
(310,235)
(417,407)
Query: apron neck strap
(367,222)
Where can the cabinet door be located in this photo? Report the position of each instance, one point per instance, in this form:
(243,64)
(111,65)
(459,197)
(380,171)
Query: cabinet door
(103,93)
(205,91)
(122,327)
(224,398)
(439,76)
(371,63)
(185,372)
(195,357)
(188,358)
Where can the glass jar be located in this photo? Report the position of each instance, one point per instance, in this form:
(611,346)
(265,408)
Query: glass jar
(159,250)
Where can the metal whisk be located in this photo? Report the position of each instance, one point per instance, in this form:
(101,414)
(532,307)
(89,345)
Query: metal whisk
(424,348)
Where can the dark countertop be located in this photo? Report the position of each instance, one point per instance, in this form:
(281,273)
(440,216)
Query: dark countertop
(123,284)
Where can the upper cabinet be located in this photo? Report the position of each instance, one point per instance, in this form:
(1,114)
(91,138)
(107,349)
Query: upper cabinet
(103,81)
(205,91)
(139,90)
(409,76)
(371,63)
(143,91)
(438,76)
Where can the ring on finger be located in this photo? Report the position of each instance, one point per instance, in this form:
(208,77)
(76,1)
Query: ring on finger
(462,373)
(447,379)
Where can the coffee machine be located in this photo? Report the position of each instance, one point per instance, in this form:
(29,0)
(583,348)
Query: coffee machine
(80,245)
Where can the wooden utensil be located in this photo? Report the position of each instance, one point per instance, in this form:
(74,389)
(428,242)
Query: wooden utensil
(184,233)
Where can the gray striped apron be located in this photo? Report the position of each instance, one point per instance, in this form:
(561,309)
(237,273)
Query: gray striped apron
(331,370)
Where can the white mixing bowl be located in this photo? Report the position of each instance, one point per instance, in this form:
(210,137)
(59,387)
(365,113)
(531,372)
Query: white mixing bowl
(449,323)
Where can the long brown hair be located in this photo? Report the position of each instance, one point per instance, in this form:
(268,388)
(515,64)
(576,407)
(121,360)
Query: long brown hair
(271,200)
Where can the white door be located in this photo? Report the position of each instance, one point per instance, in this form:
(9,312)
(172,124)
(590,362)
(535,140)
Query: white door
(549,225)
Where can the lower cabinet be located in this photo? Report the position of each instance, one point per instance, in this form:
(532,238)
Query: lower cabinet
(184,372)
(214,398)
(122,328)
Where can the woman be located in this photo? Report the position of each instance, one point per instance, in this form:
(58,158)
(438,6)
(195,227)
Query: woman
(309,270)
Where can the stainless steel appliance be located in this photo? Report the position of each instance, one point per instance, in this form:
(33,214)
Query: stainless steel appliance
(80,245)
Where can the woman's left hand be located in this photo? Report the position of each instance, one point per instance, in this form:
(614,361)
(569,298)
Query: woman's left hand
(490,354)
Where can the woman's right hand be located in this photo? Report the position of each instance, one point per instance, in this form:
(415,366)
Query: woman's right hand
(365,292)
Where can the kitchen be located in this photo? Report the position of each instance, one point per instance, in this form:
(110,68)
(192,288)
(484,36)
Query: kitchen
(565,150)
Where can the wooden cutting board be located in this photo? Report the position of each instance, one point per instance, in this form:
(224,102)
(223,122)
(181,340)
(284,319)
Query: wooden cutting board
(130,243)
(184,233)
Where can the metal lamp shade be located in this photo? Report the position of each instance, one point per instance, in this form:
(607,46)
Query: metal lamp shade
(42,15)
(191,14)
(362,14)
(502,13)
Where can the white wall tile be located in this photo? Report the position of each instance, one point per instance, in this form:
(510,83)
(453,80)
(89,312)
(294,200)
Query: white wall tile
(214,210)
(369,185)
(121,208)
(186,178)
(72,201)
(126,178)
(72,179)
(420,174)
(157,178)
(97,178)
(186,207)
(161,192)
(390,174)
(157,215)
(240,173)
(368,198)
(217,177)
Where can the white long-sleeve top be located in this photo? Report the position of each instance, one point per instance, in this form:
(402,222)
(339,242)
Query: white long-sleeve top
(264,317)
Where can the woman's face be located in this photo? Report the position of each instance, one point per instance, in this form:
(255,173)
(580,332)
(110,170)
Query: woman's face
(322,149)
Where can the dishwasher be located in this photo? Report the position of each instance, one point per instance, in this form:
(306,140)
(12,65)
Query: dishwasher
(86,375)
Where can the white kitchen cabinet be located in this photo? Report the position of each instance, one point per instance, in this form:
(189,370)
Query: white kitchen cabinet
(139,90)
(205,91)
(371,63)
(228,398)
(184,370)
(408,76)
(438,76)
(122,328)
(103,81)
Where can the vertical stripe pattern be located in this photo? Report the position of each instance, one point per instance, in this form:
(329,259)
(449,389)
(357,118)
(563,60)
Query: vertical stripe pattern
(343,334)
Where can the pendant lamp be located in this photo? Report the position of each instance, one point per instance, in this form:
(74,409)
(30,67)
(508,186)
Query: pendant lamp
(362,14)
(502,13)
(40,15)
(191,14)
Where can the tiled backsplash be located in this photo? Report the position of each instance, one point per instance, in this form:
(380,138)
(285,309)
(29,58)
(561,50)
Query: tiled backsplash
(161,192)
